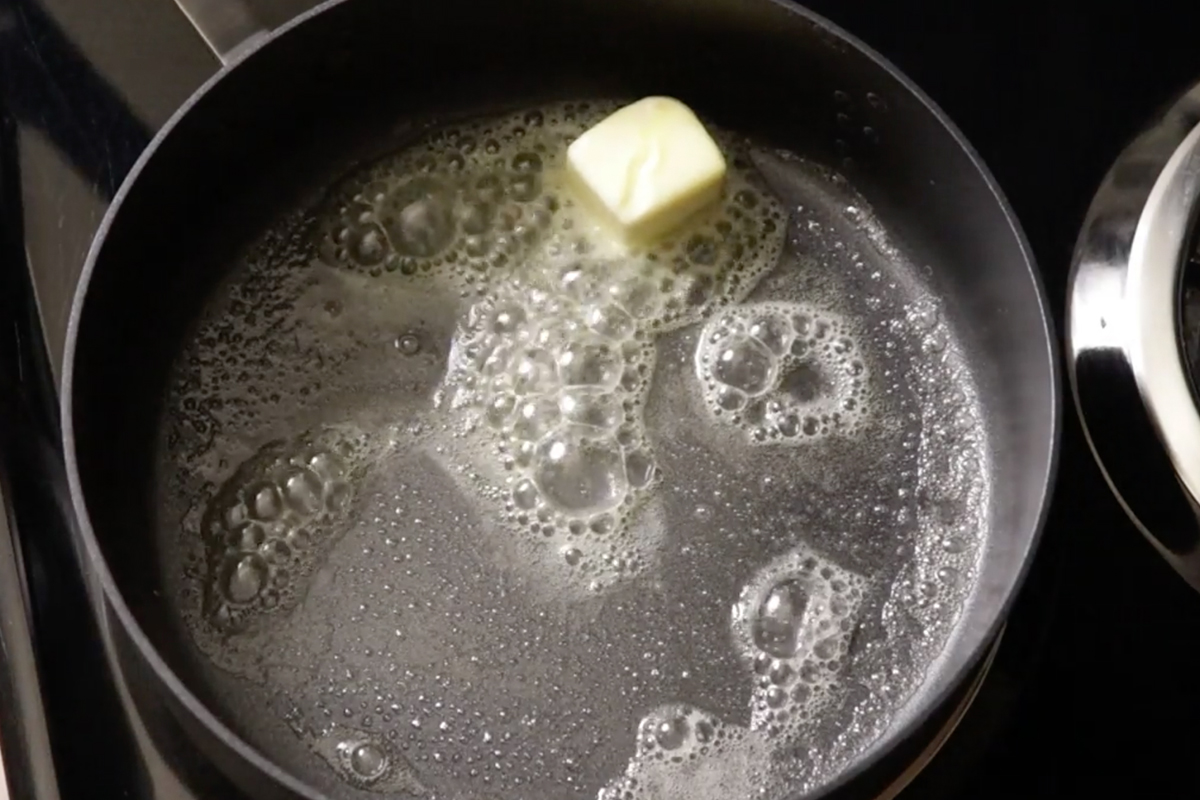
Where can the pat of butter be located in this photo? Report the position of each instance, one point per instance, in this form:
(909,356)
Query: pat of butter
(647,168)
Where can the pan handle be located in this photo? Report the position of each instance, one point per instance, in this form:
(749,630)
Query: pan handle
(228,27)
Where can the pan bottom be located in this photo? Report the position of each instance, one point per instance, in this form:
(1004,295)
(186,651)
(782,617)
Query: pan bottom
(444,513)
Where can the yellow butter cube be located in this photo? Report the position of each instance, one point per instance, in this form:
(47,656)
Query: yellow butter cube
(647,168)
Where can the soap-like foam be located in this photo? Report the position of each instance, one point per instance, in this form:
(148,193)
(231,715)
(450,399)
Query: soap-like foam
(533,548)
(550,363)
(268,527)
(783,372)
(684,752)
(549,367)
(367,761)
(473,205)
(792,626)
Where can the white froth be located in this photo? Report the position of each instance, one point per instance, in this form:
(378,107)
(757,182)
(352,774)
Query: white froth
(482,599)
(792,626)
(783,372)
(684,752)
(269,526)
(368,761)
(549,367)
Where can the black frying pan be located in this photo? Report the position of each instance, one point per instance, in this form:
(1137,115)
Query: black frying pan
(294,108)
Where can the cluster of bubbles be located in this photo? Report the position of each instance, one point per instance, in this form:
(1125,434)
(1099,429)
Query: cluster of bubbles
(793,624)
(558,379)
(783,372)
(240,368)
(452,207)
(470,204)
(683,751)
(676,732)
(272,521)
(528,343)
(550,365)
(362,759)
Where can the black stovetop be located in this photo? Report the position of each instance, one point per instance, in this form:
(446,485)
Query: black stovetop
(1095,683)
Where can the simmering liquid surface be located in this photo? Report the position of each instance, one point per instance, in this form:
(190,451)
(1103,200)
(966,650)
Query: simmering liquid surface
(458,501)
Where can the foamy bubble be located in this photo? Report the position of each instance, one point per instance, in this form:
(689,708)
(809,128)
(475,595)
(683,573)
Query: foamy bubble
(783,372)
(677,731)
(272,522)
(550,365)
(683,751)
(792,625)
(367,761)
(499,351)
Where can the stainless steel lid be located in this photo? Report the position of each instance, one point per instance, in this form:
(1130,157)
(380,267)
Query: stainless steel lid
(1129,372)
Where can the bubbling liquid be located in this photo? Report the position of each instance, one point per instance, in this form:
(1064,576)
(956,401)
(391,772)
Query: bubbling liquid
(360,760)
(783,372)
(272,521)
(792,626)
(458,493)
(549,367)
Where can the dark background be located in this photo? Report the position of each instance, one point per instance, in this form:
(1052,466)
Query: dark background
(1098,685)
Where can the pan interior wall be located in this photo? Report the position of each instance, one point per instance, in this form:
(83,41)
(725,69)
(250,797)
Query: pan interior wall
(184,258)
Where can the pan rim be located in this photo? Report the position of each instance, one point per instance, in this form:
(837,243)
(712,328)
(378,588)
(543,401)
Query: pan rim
(881,747)
(241,748)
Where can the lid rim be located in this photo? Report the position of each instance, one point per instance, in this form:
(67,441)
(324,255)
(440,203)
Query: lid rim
(1130,384)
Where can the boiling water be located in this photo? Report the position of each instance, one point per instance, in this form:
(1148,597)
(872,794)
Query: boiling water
(461,501)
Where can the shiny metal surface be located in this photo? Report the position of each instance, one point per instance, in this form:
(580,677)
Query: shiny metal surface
(1126,362)
(23,730)
(228,27)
